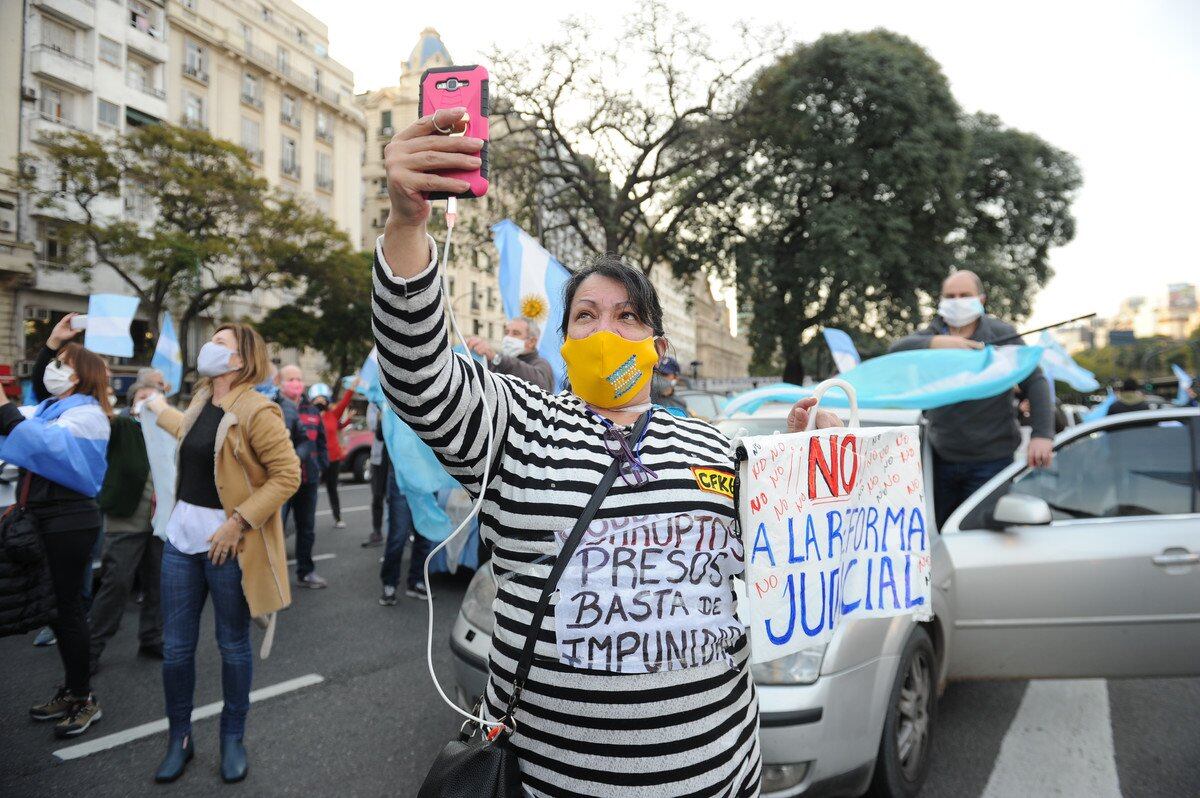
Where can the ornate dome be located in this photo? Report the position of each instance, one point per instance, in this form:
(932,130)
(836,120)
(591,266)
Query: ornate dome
(429,52)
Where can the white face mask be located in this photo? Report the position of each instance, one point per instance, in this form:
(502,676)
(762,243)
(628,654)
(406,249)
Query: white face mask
(213,360)
(57,378)
(512,346)
(960,312)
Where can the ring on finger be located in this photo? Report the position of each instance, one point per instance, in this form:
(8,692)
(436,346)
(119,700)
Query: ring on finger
(444,131)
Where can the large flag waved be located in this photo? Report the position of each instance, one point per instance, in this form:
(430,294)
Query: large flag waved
(1185,382)
(915,380)
(531,284)
(109,317)
(168,357)
(1058,365)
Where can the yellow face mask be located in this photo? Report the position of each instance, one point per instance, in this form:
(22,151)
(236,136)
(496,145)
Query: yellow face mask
(607,370)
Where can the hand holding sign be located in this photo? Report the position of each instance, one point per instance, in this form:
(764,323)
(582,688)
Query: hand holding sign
(834,522)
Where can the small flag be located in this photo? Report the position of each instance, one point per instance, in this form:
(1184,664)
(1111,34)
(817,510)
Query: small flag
(368,373)
(109,317)
(1058,365)
(1185,382)
(845,354)
(531,284)
(1101,410)
(168,357)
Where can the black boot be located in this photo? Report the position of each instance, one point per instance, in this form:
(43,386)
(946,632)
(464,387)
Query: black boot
(179,752)
(233,759)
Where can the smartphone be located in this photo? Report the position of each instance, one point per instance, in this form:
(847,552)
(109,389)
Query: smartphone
(79,322)
(460,87)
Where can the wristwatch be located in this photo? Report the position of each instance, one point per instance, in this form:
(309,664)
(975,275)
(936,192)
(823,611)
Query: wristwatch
(496,359)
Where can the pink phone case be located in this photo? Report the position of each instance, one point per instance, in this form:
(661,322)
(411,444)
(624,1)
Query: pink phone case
(466,87)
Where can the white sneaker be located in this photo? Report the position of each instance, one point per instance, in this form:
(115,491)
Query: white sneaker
(312,581)
(339,524)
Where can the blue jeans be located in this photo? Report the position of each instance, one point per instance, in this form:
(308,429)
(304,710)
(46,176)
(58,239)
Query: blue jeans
(400,527)
(304,508)
(953,483)
(187,579)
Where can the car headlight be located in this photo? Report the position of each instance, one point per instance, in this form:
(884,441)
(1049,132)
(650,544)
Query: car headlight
(803,667)
(478,600)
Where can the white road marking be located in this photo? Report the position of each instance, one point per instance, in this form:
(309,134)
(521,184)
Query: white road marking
(355,509)
(108,741)
(316,557)
(1059,743)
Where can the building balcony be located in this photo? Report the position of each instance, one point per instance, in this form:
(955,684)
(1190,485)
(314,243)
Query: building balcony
(256,156)
(252,101)
(324,183)
(145,88)
(80,11)
(325,136)
(291,170)
(51,62)
(193,122)
(150,43)
(45,124)
(196,72)
(289,119)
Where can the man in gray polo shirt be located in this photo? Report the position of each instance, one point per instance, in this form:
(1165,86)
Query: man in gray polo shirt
(518,353)
(973,441)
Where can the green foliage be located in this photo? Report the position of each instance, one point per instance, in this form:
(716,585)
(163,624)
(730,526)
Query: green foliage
(850,183)
(1144,359)
(332,315)
(213,230)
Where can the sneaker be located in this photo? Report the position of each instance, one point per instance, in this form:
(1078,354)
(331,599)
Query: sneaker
(80,717)
(45,637)
(312,581)
(55,708)
(151,650)
(339,524)
(376,539)
(417,591)
(388,599)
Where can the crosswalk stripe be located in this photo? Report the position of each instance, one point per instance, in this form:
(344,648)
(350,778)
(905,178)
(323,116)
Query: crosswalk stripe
(97,744)
(1059,743)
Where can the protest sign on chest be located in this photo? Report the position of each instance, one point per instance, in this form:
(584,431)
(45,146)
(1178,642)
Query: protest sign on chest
(834,526)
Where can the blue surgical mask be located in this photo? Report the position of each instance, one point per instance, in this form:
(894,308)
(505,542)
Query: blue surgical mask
(213,360)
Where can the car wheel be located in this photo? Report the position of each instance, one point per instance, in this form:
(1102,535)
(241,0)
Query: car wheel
(361,467)
(903,760)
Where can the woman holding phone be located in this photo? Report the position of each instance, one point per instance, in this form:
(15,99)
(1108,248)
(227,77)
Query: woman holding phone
(224,538)
(589,722)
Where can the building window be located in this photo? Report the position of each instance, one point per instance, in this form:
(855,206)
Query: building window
(281,59)
(137,75)
(251,91)
(476,327)
(450,284)
(50,242)
(290,110)
(54,103)
(142,18)
(385,121)
(194,62)
(266,13)
(324,129)
(317,79)
(57,36)
(324,171)
(491,298)
(110,51)
(247,34)
(288,161)
(252,138)
(193,110)
(475,300)
(491,332)
(108,114)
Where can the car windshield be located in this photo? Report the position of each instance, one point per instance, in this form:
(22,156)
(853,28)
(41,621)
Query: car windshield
(736,427)
(702,404)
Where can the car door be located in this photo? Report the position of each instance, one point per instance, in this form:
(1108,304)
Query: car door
(1110,587)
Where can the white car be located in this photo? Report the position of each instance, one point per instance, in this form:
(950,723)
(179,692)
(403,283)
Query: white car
(1089,568)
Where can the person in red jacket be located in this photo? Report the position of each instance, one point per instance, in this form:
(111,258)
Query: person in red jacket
(335,421)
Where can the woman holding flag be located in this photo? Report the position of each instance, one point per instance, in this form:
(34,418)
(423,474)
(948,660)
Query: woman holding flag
(60,445)
(581,720)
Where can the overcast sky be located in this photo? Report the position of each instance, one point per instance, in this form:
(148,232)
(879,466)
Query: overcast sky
(1116,84)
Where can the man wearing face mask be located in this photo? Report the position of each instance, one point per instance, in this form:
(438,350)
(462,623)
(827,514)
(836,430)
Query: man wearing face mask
(308,436)
(975,440)
(518,353)
(663,385)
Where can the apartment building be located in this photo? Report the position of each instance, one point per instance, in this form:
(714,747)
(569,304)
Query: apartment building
(473,287)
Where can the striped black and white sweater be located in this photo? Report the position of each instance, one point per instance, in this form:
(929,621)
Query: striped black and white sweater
(688,731)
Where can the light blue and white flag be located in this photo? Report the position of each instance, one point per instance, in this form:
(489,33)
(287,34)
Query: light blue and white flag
(918,379)
(845,354)
(168,357)
(368,374)
(160,450)
(109,317)
(64,440)
(1185,382)
(1058,365)
(531,284)
(1100,410)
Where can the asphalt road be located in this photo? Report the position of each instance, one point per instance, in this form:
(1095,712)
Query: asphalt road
(373,723)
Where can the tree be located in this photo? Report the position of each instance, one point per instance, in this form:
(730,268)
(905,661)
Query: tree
(851,183)
(583,160)
(332,315)
(209,228)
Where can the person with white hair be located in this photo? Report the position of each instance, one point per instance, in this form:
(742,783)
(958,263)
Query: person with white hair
(518,353)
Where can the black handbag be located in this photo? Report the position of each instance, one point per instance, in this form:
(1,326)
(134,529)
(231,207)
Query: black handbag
(19,530)
(484,765)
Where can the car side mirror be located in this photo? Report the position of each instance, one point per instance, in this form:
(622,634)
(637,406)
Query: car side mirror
(1018,509)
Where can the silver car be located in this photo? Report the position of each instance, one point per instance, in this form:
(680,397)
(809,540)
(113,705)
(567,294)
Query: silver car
(1089,568)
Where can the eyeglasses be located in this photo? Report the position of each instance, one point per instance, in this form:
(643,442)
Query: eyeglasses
(630,465)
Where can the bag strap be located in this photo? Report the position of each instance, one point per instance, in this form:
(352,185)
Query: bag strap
(24,497)
(560,565)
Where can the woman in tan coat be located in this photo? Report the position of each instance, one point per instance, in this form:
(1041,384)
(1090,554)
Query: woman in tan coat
(236,469)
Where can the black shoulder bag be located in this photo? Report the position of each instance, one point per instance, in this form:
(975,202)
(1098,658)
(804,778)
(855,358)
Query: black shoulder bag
(486,766)
(19,530)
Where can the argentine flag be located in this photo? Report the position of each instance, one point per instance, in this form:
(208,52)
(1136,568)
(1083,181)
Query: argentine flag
(368,373)
(531,284)
(168,357)
(1185,382)
(109,317)
(1058,365)
(845,354)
